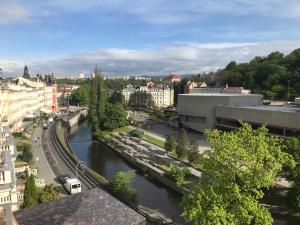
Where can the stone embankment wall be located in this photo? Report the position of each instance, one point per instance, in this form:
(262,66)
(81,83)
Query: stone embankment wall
(74,120)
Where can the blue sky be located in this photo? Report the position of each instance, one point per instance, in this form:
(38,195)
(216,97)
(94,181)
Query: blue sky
(142,36)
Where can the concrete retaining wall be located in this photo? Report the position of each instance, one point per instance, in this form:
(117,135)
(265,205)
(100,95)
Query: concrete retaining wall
(74,120)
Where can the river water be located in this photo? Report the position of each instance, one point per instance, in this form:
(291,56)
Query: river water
(150,192)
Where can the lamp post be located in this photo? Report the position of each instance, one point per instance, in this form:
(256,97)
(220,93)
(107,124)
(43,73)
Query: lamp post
(288,90)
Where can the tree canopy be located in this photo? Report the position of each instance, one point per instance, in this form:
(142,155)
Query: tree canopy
(121,184)
(170,143)
(141,100)
(115,116)
(183,144)
(240,164)
(275,76)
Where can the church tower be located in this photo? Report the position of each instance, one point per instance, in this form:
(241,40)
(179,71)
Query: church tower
(26,73)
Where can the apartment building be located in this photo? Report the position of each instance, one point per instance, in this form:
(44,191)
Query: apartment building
(22,98)
(162,95)
(9,194)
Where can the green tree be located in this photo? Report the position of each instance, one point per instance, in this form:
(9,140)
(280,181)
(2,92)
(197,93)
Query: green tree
(121,184)
(193,153)
(80,95)
(170,144)
(182,146)
(293,174)
(239,165)
(48,193)
(27,153)
(141,100)
(115,116)
(97,103)
(116,97)
(30,193)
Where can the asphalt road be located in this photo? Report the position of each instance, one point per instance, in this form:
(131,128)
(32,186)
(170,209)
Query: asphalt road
(59,160)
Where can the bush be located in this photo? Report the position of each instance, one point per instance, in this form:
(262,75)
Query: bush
(137,133)
(48,193)
(178,174)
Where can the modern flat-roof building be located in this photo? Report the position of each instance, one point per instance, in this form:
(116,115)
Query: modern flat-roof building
(208,111)
(198,111)
(93,207)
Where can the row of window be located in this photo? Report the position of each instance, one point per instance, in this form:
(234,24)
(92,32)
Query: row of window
(5,199)
(195,119)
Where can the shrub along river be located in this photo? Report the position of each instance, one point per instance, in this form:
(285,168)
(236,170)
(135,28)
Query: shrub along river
(150,193)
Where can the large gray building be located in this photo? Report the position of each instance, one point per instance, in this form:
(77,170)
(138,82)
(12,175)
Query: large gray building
(208,111)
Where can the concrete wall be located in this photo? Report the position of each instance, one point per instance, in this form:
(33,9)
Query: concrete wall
(197,111)
(74,120)
(277,119)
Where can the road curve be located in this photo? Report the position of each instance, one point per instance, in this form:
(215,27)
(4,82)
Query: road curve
(59,160)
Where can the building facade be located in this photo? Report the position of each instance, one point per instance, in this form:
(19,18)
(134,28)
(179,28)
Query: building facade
(224,111)
(162,95)
(23,98)
(8,189)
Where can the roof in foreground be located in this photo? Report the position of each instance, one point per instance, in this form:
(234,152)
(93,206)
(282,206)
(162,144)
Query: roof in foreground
(91,207)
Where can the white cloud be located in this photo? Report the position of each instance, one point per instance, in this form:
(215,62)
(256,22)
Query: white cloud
(180,58)
(12,12)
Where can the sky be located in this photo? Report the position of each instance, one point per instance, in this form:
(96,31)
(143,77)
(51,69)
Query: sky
(149,37)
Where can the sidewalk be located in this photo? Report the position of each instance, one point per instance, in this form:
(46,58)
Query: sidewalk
(44,170)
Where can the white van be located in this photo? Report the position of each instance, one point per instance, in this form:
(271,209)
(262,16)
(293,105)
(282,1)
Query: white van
(72,185)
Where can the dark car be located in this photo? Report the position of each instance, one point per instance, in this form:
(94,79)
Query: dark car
(62,178)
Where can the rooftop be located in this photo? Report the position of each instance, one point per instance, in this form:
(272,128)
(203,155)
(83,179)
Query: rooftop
(274,108)
(86,208)
(220,94)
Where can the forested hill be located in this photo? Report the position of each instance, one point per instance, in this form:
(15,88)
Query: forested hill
(269,75)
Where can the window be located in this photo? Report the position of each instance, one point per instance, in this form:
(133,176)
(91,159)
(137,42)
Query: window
(76,186)
(195,119)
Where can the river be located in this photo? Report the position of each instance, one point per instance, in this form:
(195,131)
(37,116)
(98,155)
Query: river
(150,192)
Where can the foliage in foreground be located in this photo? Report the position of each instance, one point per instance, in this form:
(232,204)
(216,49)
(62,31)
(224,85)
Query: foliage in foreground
(240,164)
(293,148)
(121,184)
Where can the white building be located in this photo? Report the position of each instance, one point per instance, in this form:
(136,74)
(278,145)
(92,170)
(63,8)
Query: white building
(25,98)
(81,76)
(9,194)
(162,95)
